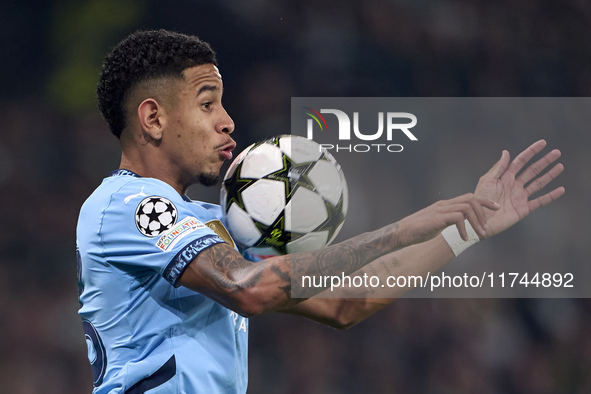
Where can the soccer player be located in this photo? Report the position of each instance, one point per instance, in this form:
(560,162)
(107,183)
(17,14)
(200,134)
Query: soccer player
(165,295)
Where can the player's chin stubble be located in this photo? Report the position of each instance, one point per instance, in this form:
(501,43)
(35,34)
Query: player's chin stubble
(209,179)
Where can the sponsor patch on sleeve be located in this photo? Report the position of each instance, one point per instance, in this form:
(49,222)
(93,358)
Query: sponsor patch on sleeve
(218,228)
(177,232)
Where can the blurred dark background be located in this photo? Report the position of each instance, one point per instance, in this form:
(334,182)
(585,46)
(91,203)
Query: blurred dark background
(55,149)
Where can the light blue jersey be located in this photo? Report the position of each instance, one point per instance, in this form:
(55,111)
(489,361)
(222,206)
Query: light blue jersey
(135,237)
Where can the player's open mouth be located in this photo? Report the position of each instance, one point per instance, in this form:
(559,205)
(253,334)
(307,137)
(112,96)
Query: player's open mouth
(226,151)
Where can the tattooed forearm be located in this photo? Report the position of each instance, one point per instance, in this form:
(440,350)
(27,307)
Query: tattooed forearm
(232,271)
(351,255)
(274,277)
(284,275)
(344,258)
(285,278)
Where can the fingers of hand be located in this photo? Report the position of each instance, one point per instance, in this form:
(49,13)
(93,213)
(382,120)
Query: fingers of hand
(488,203)
(538,184)
(467,206)
(535,169)
(472,211)
(525,156)
(480,216)
(478,204)
(475,222)
(500,166)
(545,199)
(461,226)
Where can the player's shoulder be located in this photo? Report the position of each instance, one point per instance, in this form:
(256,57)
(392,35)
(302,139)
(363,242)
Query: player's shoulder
(123,187)
(120,195)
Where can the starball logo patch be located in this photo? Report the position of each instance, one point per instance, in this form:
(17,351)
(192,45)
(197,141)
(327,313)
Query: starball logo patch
(391,125)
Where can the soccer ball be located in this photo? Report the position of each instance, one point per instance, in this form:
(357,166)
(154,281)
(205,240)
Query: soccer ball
(155,215)
(284,195)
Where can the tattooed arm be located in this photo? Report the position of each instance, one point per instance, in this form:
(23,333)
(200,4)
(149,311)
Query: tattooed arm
(248,288)
(347,307)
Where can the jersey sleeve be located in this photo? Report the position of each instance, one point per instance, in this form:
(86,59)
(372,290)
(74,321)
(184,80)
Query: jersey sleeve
(147,226)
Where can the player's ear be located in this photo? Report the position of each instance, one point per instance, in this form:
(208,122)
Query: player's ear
(151,117)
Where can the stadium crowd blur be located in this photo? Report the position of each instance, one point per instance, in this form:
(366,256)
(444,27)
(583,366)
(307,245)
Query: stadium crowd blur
(55,149)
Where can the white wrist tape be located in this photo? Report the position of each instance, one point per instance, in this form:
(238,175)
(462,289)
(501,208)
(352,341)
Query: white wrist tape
(455,241)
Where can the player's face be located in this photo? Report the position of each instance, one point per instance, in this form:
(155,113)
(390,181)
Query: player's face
(197,134)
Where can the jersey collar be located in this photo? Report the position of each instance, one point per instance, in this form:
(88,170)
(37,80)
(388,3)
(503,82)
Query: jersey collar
(123,171)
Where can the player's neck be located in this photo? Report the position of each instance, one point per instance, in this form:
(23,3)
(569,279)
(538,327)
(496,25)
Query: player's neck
(152,169)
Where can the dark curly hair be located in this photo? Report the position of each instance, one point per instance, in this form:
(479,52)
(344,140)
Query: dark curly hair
(142,56)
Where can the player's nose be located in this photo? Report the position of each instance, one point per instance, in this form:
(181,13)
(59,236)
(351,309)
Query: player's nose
(225,124)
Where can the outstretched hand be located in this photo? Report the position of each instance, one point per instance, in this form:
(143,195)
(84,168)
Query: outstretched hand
(429,222)
(502,185)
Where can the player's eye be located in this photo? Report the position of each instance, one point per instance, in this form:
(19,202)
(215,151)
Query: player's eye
(207,105)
